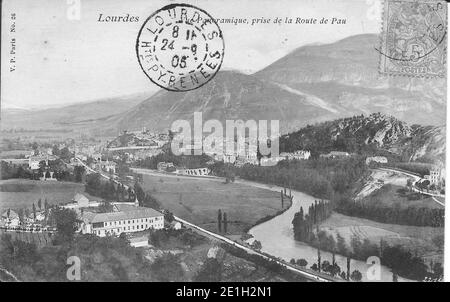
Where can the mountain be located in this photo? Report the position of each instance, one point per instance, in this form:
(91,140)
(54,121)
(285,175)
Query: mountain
(374,134)
(76,116)
(344,76)
(230,95)
(310,85)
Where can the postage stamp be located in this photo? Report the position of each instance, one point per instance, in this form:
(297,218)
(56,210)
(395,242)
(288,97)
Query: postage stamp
(413,38)
(180,47)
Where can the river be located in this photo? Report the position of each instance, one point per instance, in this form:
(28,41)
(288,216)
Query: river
(277,235)
(277,238)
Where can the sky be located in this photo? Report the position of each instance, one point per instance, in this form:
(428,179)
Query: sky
(63,60)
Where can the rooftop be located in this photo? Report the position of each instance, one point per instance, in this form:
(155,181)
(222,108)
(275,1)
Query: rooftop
(139,212)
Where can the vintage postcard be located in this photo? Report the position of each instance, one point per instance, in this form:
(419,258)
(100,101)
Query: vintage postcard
(223,141)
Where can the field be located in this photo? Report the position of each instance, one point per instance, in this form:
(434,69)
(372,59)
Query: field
(22,193)
(393,195)
(418,239)
(198,201)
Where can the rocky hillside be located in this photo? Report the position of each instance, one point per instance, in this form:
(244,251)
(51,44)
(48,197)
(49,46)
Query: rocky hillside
(373,134)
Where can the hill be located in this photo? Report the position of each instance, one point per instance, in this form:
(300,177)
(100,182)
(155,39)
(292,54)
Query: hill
(374,134)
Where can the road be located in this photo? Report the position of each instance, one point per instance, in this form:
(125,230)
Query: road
(307,275)
(8,275)
(101,174)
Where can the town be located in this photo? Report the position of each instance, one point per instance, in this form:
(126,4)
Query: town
(118,194)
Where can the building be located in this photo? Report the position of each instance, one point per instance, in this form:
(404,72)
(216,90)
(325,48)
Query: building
(376,159)
(133,219)
(298,155)
(229,158)
(435,176)
(40,216)
(163,166)
(335,154)
(34,162)
(268,161)
(194,172)
(176,225)
(17,162)
(80,201)
(11,219)
(139,241)
(107,166)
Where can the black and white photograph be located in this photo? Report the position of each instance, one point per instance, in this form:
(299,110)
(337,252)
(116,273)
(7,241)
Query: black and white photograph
(252,142)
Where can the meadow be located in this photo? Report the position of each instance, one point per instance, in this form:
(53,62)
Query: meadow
(198,201)
(425,241)
(22,193)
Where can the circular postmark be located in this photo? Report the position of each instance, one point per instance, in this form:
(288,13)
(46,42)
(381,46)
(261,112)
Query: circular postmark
(180,47)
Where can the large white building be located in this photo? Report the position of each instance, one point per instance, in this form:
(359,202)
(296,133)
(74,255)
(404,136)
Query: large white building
(377,159)
(126,219)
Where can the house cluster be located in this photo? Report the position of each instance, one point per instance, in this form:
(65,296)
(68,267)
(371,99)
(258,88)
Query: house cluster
(246,155)
(141,139)
(124,219)
(170,167)
(32,162)
(84,151)
(297,155)
(11,218)
(106,166)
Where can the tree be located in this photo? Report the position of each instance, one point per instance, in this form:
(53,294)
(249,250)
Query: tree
(66,224)
(394,277)
(21,214)
(211,271)
(356,276)
(105,207)
(409,184)
(34,211)
(318,260)
(348,268)
(257,245)
(302,262)
(219,221)
(79,173)
(167,268)
(225,223)
(39,203)
(438,270)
